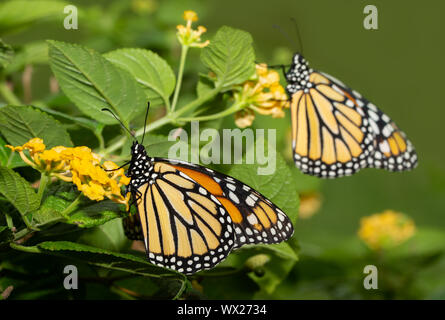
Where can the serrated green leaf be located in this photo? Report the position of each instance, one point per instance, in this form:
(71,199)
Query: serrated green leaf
(6,54)
(204,86)
(19,124)
(17,13)
(8,158)
(18,191)
(230,56)
(49,210)
(109,236)
(93,83)
(107,259)
(95,215)
(277,187)
(151,71)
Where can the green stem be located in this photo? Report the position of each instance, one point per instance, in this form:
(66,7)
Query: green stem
(44,179)
(158,123)
(8,95)
(184,50)
(24,248)
(65,213)
(234,108)
(22,233)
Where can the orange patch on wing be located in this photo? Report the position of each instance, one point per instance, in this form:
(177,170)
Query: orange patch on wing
(294,108)
(354,147)
(233,211)
(343,154)
(325,109)
(317,78)
(393,146)
(350,113)
(204,180)
(261,215)
(328,147)
(400,141)
(269,211)
(315,143)
(302,132)
(330,93)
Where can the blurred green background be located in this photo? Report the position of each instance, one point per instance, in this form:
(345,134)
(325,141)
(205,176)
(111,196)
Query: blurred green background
(398,67)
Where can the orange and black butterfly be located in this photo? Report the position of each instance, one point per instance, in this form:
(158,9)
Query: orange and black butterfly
(191,217)
(336,132)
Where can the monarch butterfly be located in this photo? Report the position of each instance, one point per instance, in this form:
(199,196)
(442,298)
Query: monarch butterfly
(191,217)
(336,132)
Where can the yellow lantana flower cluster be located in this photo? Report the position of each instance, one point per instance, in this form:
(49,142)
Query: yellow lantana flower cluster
(310,203)
(188,36)
(264,94)
(78,165)
(386,230)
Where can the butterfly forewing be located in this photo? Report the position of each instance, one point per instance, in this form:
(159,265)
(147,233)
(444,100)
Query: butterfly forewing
(184,228)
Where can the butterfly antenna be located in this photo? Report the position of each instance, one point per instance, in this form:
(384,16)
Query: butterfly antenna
(145,122)
(119,120)
(284,34)
(300,42)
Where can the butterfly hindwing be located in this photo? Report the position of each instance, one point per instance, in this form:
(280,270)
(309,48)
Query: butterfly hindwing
(255,219)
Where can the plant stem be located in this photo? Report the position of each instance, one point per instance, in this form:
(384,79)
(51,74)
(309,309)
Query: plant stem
(198,102)
(234,108)
(158,123)
(44,179)
(65,213)
(8,95)
(24,248)
(184,50)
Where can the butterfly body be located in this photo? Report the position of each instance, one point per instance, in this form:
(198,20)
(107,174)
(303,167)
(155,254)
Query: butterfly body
(336,132)
(192,217)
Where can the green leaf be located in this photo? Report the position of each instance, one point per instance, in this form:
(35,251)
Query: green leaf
(159,146)
(92,83)
(151,71)
(230,56)
(18,191)
(109,236)
(30,53)
(6,54)
(8,158)
(106,258)
(20,124)
(204,86)
(49,210)
(95,214)
(277,187)
(17,13)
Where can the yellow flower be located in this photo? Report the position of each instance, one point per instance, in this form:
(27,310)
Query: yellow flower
(262,93)
(80,166)
(310,203)
(188,36)
(190,15)
(386,230)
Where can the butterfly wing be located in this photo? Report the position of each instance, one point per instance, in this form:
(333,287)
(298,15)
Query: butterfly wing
(336,132)
(132,227)
(183,226)
(255,218)
(391,148)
